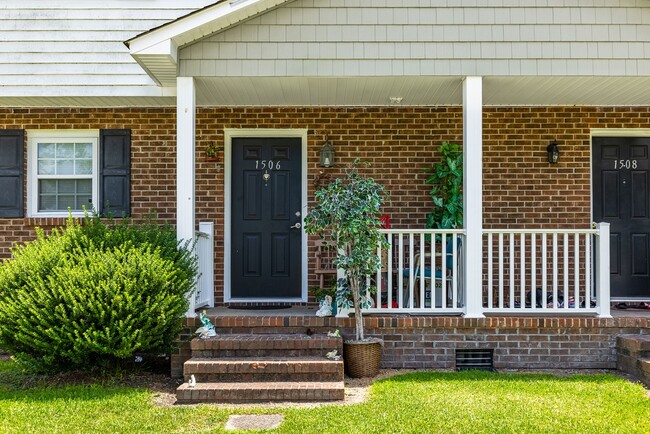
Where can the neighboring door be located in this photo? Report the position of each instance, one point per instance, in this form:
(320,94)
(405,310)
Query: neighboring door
(266,221)
(621,188)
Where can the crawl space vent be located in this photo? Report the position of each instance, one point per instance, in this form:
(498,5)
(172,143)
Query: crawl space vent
(474,359)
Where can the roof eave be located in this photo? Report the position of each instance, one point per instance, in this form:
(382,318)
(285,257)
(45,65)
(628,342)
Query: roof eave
(157,49)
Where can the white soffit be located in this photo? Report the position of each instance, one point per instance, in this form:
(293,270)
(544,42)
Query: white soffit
(156,50)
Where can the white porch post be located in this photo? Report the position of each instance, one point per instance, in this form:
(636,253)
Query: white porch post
(185,126)
(473,194)
(602,271)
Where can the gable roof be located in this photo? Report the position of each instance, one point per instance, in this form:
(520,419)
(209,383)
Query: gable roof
(157,49)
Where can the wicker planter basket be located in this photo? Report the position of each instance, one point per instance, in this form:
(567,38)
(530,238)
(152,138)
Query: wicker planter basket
(362,359)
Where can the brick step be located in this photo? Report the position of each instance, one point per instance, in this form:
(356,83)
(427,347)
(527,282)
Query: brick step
(263,369)
(636,345)
(260,392)
(633,356)
(267,345)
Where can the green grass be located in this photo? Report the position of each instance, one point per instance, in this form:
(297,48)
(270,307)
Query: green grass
(467,402)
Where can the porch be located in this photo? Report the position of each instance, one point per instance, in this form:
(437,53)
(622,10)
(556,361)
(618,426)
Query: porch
(413,341)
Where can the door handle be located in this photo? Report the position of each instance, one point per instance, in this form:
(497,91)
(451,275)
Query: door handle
(296,226)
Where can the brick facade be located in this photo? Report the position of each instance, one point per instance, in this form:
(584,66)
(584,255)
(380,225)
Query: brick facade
(520,188)
(431,342)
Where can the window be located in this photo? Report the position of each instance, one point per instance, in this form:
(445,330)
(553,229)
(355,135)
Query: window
(62,172)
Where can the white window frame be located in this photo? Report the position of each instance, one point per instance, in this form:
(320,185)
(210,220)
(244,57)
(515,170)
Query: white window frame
(58,136)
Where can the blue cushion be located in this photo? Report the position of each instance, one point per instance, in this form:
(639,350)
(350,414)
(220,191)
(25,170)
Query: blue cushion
(427,273)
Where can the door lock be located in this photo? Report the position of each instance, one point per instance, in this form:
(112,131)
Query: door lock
(296,226)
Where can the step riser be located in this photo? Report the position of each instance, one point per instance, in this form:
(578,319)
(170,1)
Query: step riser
(257,396)
(224,354)
(245,378)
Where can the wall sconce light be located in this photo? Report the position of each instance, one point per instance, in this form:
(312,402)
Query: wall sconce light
(553,152)
(327,154)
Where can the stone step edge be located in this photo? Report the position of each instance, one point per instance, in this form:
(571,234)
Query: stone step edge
(289,391)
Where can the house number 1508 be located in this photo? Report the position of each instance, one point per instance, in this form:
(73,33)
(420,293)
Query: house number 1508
(267,164)
(624,164)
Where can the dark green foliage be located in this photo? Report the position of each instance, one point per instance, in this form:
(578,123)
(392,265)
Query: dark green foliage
(91,294)
(346,216)
(446,179)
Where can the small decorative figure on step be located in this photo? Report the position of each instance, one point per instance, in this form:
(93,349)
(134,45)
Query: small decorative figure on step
(207,329)
(335,334)
(192,381)
(333,355)
(325,307)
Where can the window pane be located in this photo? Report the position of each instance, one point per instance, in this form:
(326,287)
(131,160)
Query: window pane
(46,150)
(84,200)
(64,150)
(67,186)
(64,167)
(46,203)
(67,201)
(85,186)
(83,150)
(46,167)
(83,167)
(47,186)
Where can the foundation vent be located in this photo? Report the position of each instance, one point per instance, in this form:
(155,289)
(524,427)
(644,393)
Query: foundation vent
(474,359)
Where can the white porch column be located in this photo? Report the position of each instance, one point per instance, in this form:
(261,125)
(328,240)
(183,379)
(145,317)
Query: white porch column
(602,271)
(185,129)
(473,194)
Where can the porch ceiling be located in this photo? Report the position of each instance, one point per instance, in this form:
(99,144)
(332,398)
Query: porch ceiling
(419,90)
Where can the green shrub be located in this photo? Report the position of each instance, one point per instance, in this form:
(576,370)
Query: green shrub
(89,295)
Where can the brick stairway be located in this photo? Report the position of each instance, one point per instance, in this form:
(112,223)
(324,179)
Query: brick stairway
(633,356)
(240,368)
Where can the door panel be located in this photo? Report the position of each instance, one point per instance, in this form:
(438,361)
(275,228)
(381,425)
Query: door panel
(621,188)
(266,202)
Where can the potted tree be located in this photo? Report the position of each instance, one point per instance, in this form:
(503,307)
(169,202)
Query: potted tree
(346,216)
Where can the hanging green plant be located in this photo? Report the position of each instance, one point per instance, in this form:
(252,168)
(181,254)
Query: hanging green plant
(446,180)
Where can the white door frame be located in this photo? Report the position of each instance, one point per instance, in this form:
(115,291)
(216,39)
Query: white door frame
(229,134)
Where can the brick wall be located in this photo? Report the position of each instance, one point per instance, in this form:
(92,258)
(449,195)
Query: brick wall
(521,188)
(431,342)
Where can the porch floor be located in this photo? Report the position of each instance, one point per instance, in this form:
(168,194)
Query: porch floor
(303,311)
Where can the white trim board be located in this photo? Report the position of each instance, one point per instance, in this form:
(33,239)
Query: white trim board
(229,134)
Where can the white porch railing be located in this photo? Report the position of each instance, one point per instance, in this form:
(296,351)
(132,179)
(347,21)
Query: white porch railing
(545,271)
(524,272)
(421,272)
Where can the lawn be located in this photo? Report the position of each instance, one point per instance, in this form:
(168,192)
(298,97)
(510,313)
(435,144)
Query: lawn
(424,402)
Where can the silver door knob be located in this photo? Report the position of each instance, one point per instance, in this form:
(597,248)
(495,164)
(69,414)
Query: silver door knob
(296,226)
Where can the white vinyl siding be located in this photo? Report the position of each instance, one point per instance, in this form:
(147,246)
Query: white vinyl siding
(75,49)
(62,172)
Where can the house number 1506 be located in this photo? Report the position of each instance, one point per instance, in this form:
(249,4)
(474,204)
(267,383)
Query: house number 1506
(267,164)
(624,164)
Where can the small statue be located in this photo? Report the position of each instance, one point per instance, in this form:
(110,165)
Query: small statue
(333,355)
(335,334)
(325,307)
(207,329)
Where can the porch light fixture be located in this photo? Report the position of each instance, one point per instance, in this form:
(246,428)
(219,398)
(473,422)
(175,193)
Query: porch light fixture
(553,152)
(327,154)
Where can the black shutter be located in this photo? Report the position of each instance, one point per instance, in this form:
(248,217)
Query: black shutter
(12,151)
(115,172)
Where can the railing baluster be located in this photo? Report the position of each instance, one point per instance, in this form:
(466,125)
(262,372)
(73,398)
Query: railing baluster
(443,262)
(378,279)
(544,273)
(555,301)
(522,270)
(389,299)
(432,280)
(411,270)
(576,271)
(587,271)
(566,271)
(423,273)
(512,270)
(400,272)
(489,267)
(533,274)
(454,274)
(501,270)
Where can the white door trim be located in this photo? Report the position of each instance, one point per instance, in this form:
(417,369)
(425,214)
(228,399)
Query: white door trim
(229,134)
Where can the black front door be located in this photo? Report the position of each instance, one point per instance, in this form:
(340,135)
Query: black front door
(621,186)
(266,218)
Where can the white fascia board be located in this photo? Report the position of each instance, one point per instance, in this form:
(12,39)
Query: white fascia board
(156,51)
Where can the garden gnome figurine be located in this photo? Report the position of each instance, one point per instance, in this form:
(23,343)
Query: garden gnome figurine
(207,329)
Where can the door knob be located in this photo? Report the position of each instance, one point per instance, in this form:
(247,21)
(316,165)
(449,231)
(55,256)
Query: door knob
(296,226)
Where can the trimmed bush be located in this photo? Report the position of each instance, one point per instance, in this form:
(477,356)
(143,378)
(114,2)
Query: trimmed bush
(89,295)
